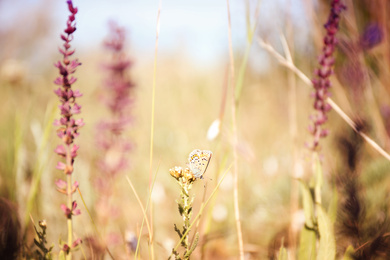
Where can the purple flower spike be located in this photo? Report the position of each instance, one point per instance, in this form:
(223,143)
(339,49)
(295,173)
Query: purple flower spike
(76,242)
(66,248)
(118,89)
(321,82)
(67,96)
(66,210)
(68,125)
(61,184)
(117,96)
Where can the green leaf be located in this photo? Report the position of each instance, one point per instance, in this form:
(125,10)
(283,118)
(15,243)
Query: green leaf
(282,253)
(177,230)
(61,255)
(327,246)
(193,246)
(181,209)
(307,245)
(348,253)
(308,207)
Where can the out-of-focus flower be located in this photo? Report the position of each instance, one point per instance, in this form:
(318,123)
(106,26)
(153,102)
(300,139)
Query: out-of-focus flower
(114,147)
(13,71)
(214,129)
(118,98)
(131,241)
(371,37)
(321,81)
(220,213)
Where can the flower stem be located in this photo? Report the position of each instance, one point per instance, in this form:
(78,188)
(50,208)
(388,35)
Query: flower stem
(69,221)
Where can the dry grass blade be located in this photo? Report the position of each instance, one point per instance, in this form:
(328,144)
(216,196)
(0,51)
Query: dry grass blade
(140,204)
(235,139)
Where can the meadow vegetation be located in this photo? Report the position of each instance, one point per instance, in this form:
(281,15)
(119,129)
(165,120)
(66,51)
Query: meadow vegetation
(293,160)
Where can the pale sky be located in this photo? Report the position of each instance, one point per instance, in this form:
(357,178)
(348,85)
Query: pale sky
(196,26)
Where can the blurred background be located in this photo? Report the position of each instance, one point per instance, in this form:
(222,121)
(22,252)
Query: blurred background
(192,91)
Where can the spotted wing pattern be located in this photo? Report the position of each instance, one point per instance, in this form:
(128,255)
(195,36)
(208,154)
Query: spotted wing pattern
(198,160)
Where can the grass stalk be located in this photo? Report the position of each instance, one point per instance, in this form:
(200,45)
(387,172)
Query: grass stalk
(152,127)
(38,167)
(144,219)
(69,205)
(293,130)
(140,204)
(235,141)
(93,223)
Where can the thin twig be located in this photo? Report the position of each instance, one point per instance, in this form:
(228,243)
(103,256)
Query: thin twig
(144,214)
(140,204)
(152,126)
(283,61)
(293,130)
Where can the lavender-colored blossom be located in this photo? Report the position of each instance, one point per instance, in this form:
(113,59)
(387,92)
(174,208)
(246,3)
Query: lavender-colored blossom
(68,125)
(372,36)
(321,80)
(117,97)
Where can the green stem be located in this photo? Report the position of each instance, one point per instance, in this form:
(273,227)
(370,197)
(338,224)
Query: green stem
(186,215)
(70,227)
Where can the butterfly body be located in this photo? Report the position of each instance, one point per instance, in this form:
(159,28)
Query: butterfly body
(198,160)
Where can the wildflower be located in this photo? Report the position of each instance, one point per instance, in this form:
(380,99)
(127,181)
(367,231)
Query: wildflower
(372,36)
(321,81)
(117,97)
(114,147)
(68,125)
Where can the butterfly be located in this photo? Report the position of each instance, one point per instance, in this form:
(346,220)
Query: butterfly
(198,160)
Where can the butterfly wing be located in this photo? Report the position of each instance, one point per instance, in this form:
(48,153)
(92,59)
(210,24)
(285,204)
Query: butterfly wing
(198,161)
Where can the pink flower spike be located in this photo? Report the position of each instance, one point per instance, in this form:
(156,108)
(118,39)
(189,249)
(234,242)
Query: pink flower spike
(56,122)
(72,81)
(76,109)
(77,242)
(65,248)
(69,53)
(80,122)
(76,92)
(75,185)
(62,51)
(61,166)
(75,211)
(74,205)
(66,210)
(60,150)
(58,81)
(61,184)
(73,152)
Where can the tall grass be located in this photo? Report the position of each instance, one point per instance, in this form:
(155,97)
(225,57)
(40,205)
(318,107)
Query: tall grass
(265,195)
